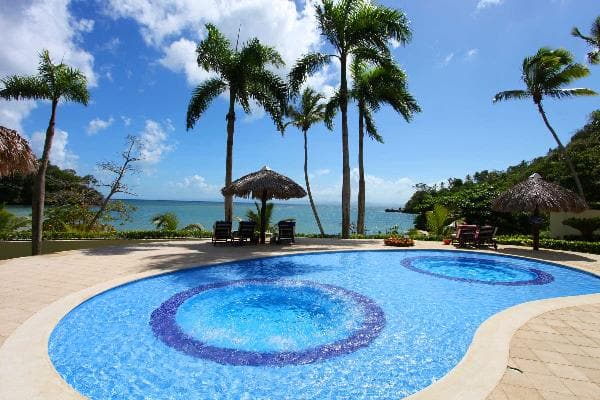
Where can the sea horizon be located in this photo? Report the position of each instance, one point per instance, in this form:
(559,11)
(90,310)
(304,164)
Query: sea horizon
(206,212)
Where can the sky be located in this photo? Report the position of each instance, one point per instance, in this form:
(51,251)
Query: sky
(139,58)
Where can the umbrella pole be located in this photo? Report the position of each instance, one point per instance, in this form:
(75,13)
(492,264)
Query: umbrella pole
(536,229)
(263,219)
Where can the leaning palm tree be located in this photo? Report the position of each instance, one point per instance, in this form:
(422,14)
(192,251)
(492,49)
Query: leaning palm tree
(356,28)
(54,82)
(593,40)
(545,74)
(310,111)
(373,87)
(244,76)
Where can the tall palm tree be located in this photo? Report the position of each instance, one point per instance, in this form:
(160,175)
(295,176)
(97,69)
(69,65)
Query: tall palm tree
(244,76)
(593,40)
(54,82)
(545,74)
(356,28)
(372,87)
(310,111)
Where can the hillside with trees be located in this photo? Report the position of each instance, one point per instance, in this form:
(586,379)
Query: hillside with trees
(470,198)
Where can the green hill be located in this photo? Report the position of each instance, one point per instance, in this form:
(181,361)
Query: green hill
(471,197)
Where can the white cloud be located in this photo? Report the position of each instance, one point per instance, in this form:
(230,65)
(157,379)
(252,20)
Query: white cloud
(180,56)
(447,60)
(12,113)
(388,191)
(154,142)
(36,25)
(96,125)
(175,26)
(197,182)
(126,120)
(471,53)
(60,154)
(481,4)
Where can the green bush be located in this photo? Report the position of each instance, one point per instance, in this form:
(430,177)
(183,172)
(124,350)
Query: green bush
(586,226)
(554,244)
(52,235)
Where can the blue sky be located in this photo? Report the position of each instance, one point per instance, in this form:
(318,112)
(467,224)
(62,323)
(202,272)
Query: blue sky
(139,58)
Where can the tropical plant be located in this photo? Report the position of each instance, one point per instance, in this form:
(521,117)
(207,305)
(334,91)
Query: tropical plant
(587,226)
(354,28)
(372,87)
(310,111)
(438,220)
(10,222)
(245,77)
(166,221)
(593,40)
(54,82)
(194,227)
(545,74)
(256,216)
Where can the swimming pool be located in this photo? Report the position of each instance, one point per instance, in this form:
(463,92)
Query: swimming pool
(377,324)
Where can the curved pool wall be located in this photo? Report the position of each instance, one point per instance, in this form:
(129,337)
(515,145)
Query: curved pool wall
(106,347)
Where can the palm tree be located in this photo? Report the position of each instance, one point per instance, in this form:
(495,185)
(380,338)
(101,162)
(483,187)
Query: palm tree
(245,77)
(166,221)
(545,74)
(310,111)
(54,82)
(593,40)
(356,28)
(383,84)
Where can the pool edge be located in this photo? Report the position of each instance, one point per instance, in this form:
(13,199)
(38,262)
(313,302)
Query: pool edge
(24,353)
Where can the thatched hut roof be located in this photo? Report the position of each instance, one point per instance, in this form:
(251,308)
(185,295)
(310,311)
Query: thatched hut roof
(265,184)
(536,193)
(15,154)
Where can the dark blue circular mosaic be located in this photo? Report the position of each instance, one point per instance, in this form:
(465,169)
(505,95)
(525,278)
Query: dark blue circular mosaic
(165,328)
(497,272)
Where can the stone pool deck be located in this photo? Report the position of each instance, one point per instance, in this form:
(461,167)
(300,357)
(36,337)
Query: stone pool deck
(554,351)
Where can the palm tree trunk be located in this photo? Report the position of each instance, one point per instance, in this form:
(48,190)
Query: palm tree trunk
(310,198)
(345,150)
(39,189)
(360,220)
(563,151)
(229,157)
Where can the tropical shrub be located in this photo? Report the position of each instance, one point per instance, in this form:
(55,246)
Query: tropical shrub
(256,216)
(10,222)
(438,220)
(586,226)
(166,222)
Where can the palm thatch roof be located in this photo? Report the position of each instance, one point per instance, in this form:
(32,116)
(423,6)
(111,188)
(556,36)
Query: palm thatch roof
(15,154)
(536,193)
(264,184)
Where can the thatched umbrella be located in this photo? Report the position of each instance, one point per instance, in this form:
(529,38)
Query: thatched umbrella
(535,195)
(264,185)
(15,154)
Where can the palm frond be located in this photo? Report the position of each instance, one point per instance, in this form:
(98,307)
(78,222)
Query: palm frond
(370,126)
(511,95)
(214,52)
(305,66)
(331,109)
(564,93)
(255,53)
(71,84)
(24,87)
(202,96)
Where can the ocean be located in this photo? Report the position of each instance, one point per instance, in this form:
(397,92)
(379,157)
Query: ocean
(206,212)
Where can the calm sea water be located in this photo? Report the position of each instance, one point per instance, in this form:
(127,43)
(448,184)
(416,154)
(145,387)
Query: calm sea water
(206,212)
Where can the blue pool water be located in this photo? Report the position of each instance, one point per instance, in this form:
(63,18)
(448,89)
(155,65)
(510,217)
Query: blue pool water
(378,324)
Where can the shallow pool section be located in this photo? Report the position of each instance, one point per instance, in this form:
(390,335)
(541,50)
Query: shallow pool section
(266,322)
(376,324)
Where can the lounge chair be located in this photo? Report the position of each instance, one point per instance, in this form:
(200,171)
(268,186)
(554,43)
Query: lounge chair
(287,232)
(465,234)
(486,237)
(221,232)
(245,232)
